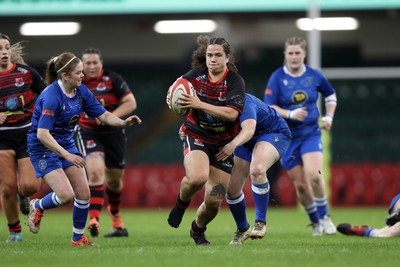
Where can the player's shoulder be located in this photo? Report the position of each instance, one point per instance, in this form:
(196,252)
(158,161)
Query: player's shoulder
(111,74)
(235,77)
(313,71)
(24,68)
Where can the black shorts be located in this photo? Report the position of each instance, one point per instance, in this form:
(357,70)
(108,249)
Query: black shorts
(191,144)
(15,139)
(111,146)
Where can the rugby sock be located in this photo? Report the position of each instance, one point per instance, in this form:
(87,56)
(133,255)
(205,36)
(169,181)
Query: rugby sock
(49,201)
(261,199)
(312,213)
(114,199)
(322,206)
(197,229)
(238,209)
(79,216)
(176,214)
(369,232)
(15,227)
(96,201)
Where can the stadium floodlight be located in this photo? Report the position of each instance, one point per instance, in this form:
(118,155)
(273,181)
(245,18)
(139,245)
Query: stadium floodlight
(185,26)
(49,28)
(327,24)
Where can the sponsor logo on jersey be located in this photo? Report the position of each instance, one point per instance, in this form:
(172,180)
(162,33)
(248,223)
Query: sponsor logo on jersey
(23,70)
(12,103)
(198,142)
(73,120)
(299,96)
(47,112)
(227,164)
(268,91)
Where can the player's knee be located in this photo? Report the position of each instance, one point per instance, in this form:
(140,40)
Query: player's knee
(198,180)
(258,175)
(65,196)
(8,190)
(96,177)
(30,188)
(302,187)
(213,203)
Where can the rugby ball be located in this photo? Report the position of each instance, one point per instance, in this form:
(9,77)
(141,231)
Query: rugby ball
(180,86)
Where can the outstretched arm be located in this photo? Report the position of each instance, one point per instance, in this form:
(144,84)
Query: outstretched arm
(245,134)
(112,120)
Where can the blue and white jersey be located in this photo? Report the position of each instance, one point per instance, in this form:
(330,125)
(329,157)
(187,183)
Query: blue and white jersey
(268,119)
(59,113)
(292,92)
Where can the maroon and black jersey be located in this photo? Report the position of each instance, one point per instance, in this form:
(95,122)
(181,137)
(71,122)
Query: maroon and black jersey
(19,88)
(228,91)
(109,88)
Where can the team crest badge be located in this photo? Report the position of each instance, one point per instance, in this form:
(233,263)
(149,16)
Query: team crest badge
(101,87)
(222,96)
(42,164)
(19,82)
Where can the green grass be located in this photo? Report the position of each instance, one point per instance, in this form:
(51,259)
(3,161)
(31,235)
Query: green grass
(152,242)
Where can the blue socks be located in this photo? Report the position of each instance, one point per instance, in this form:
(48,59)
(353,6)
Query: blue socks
(79,212)
(322,206)
(79,217)
(238,209)
(238,205)
(261,199)
(312,213)
(49,201)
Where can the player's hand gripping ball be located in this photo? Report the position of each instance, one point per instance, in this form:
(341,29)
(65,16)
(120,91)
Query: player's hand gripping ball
(179,87)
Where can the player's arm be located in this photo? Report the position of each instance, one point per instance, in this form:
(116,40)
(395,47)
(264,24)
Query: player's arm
(245,134)
(48,141)
(127,106)
(112,120)
(298,114)
(221,112)
(330,108)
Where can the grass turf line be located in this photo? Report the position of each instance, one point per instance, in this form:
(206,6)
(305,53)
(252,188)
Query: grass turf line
(152,242)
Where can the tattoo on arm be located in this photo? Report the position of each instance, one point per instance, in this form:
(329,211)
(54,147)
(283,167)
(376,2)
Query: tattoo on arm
(218,190)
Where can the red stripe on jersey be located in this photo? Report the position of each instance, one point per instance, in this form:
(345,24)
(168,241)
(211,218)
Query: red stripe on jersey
(15,88)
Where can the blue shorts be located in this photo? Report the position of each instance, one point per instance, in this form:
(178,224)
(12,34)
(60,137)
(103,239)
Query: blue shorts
(279,140)
(394,200)
(297,148)
(50,161)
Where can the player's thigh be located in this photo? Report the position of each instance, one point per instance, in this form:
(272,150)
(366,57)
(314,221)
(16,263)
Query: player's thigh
(28,183)
(59,183)
(264,156)
(8,176)
(197,165)
(312,164)
(79,183)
